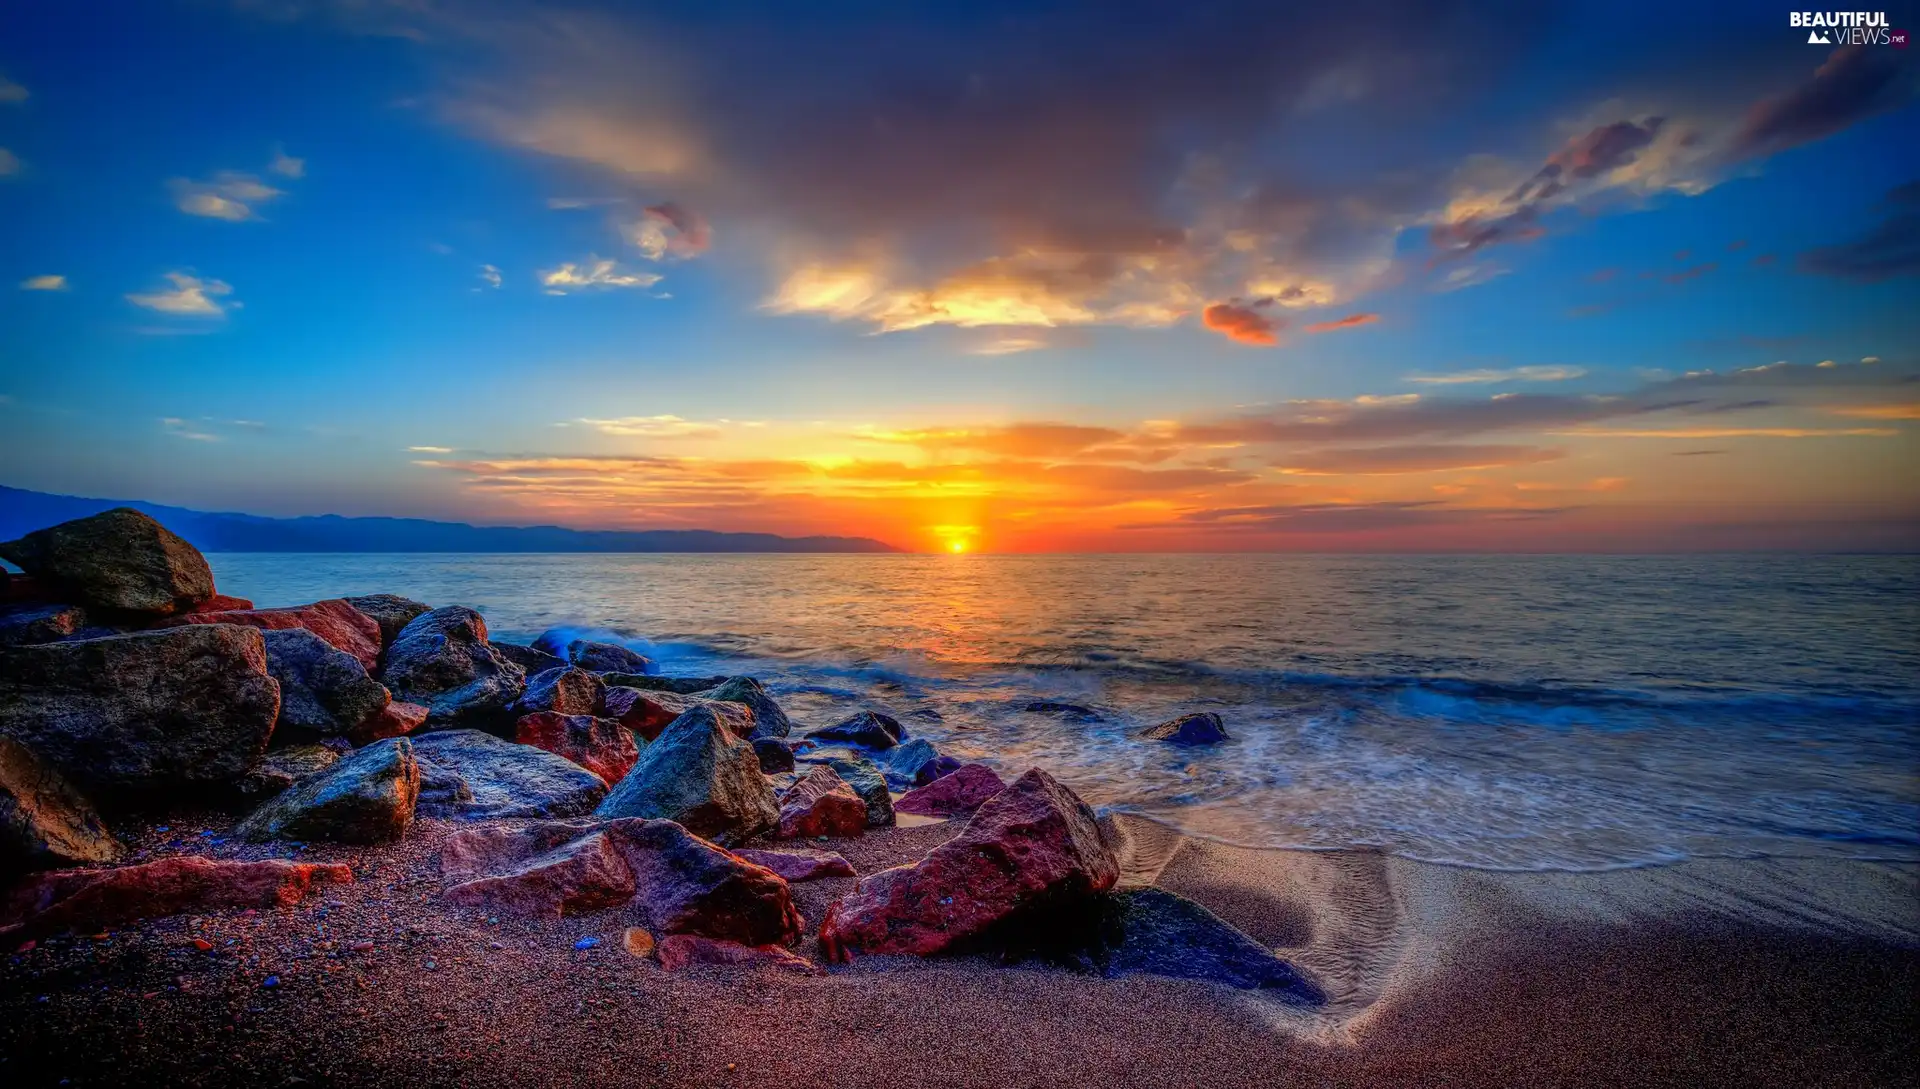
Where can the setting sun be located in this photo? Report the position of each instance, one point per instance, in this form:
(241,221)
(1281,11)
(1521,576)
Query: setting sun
(956,546)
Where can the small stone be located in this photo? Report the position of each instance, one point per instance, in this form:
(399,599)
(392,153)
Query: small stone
(202,944)
(270,982)
(638,941)
(586,943)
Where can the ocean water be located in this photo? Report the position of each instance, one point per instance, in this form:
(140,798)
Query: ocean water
(1509,712)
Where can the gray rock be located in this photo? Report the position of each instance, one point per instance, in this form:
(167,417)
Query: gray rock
(1198,728)
(608,658)
(682,686)
(566,690)
(282,768)
(866,780)
(915,764)
(120,560)
(368,797)
(768,719)
(441,660)
(324,691)
(697,773)
(1155,932)
(528,659)
(501,779)
(21,625)
(44,821)
(1066,712)
(868,729)
(773,754)
(130,719)
(391,611)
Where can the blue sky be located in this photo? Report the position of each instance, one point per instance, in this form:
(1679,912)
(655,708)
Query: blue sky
(980,276)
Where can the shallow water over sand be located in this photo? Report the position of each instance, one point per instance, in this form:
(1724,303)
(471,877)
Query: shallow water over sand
(1570,712)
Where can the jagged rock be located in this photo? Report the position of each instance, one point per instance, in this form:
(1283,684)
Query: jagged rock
(1033,848)
(129,718)
(1155,932)
(864,777)
(553,868)
(679,952)
(799,864)
(567,690)
(956,795)
(39,623)
(868,729)
(821,804)
(44,821)
(1066,712)
(338,623)
(221,603)
(368,797)
(324,691)
(25,589)
(171,886)
(119,560)
(768,719)
(1199,728)
(600,657)
(700,774)
(531,661)
(396,719)
(600,745)
(916,763)
(647,713)
(500,779)
(441,660)
(773,754)
(280,769)
(390,612)
(681,686)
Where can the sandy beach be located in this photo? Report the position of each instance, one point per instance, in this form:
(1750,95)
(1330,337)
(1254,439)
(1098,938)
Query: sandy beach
(1705,973)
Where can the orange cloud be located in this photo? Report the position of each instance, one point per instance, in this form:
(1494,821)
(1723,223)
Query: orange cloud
(1349,322)
(1242,323)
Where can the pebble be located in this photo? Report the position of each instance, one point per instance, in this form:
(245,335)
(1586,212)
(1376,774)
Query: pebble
(586,943)
(270,982)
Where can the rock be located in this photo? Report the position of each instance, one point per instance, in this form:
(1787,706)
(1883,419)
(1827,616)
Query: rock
(335,621)
(501,779)
(221,603)
(555,868)
(324,691)
(390,612)
(280,769)
(44,821)
(821,804)
(567,690)
(700,774)
(130,718)
(647,713)
(868,729)
(682,686)
(679,952)
(394,720)
(773,754)
(1033,848)
(956,795)
(1199,728)
(866,781)
(39,623)
(637,940)
(530,661)
(768,719)
(441,659)
(368,797)
(119,560)
(916,763)
(1155,932)
(171,886)
(23,589)
(800,865)
(607,658)
(600,745)
(1066,712)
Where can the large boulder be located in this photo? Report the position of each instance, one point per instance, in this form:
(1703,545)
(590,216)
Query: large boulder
(956,795)
(44,821)
(567,690)
(595,655)
(390,612)
(1198,728)
(366,798)
(39,622)
(86,899)
(600,745)
(646,682)
(281,768)
(647,713)
(1034,848)
(863,775)
(868,729)
(396,719)
(800,864)
(768,719)
(119,560)
(821,804)
(476,776)
(324,691)
(1155,932)
(441,660)
(530,661)
(916,763)
(697,772)
(131,718)
(335,621)
(775,756)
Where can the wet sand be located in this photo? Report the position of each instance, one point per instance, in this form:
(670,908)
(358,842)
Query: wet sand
(1707,973)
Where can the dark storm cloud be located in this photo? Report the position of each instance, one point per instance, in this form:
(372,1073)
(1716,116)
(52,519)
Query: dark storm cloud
(1854,83)
(1890,249)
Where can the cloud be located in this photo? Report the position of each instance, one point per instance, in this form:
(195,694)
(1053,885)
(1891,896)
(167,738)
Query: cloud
(429,449)
(185,429)
(1009,345)
(1512,374)
(1397,460)
(1890,249)
(286,165)
(228,195)
(654,427)
(593,273)
(1366,517)
(1244,324)
(1854,83)
(11,93)
(669,230)
(1026,440)
(190,296)
(1905,411)
(1470,276)
(490,275)
(44,283)
(1351,321)
(1691,273)
(1733,432)
(9,163)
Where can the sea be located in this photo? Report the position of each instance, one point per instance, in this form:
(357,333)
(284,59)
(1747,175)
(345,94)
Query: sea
(1500,712)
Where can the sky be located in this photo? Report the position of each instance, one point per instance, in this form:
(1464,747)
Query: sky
(1396,275)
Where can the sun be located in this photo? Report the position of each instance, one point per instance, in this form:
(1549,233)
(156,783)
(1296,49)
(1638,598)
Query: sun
(956,546)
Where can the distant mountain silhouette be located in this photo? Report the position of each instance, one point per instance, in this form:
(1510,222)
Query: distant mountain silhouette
(22,511)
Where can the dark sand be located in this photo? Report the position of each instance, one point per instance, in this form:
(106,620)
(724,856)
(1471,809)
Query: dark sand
(1723,973)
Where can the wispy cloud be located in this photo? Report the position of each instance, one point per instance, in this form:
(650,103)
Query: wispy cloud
(654,427)
(44,283)
(1351,321)
(429,449)
(1732,432)
(490,275)
(189,296)
(593,273)
(229,195)
(286,165)
(11,93)
(186,429)
(9,163)
(1398,460)
(1487,376)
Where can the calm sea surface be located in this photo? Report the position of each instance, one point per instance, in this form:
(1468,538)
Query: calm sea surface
(1510,712)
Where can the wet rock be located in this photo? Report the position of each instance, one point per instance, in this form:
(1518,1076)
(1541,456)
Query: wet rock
(773,754)
(119,560)
(864,777)
(528,659)
(396,719)
(1065,712)
(821,804)
(682,686)
(800,864)
(607,658)
(324,691)
(500,779)
(131,718)
(441,660)
(647,713)
(601,745)
(697,772)
(768,719)
(280,769)
(390,612)
(1199,728)
(868,729)
(1033,848)
(567,690)
(170,886)
(338,623)
(679,952)
(1155,932)
(221,603)
(44,821)
(956,795)
(916,763)
(368,797)
(39,623)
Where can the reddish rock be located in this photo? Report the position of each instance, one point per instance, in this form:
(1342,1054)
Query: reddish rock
(600,745)
(682,951)
(221,603)
(171,886)
(1031,847)
(394,720)
(821,804)
(646,713)
(566,690)
(550,869)
(800,865)
(333,620)
(956,795)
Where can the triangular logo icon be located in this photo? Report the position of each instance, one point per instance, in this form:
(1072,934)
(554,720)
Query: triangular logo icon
(1815,37)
